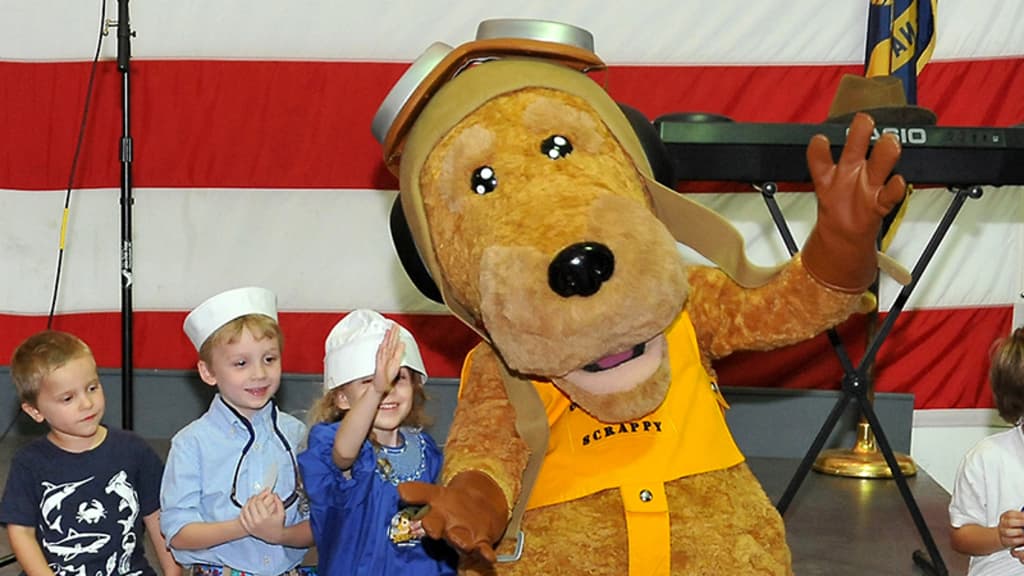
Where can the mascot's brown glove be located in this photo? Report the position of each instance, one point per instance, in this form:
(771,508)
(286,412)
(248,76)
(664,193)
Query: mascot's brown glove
(853,197)
(470,512)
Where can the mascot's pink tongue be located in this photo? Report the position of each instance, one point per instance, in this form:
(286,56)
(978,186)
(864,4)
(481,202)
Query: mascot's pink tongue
(614,360)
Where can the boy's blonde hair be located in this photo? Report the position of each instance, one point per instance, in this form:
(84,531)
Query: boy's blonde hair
(1007,376)
(38,356)
(260,326)
(325,409)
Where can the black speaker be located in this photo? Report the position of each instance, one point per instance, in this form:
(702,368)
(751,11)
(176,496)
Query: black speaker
(692,117)
(655,150)
(409,255)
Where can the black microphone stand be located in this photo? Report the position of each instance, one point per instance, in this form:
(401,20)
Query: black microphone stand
(124,54)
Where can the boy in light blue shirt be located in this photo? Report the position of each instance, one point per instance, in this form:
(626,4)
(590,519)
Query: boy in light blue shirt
(232,498)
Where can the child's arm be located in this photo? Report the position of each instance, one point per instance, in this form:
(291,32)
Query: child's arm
(354,428)
(977,540)
(167,564)
(297,535)
(262,517)
(199,535)
(27,550)
(356,424)
(181,520)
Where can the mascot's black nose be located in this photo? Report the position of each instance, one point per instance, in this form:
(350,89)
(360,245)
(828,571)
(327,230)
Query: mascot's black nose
(580,269)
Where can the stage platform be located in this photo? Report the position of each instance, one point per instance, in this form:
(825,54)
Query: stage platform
(836,526)
(848,526)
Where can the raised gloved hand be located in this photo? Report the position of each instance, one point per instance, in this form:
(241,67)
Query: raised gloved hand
(853,197)
(470,512)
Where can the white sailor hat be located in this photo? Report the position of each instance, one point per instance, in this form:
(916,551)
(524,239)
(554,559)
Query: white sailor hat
(218,310)
(351,348)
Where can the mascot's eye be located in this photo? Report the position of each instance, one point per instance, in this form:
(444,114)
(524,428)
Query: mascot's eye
(484,180)
(556,147)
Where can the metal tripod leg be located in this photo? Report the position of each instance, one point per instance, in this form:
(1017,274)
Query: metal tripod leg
(854,381)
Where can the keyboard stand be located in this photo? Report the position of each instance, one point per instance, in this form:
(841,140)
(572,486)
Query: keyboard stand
(855,379)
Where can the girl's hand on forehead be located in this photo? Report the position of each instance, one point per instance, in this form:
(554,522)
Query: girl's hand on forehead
(389,361)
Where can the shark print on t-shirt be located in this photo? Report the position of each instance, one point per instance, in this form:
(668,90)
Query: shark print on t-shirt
(79,523)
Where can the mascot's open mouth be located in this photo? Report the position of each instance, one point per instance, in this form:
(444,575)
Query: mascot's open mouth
(613,360)
(620,372)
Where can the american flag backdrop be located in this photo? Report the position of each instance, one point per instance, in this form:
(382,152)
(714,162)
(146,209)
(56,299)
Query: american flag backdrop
(254,165)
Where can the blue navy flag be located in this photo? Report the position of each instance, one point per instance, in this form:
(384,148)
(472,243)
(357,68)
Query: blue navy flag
(900,40)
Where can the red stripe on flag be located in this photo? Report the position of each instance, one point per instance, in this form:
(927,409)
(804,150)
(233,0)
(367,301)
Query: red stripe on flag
(160,343)
(307,124)
(940,356)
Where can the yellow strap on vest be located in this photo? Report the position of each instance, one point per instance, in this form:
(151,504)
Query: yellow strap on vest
(647,526)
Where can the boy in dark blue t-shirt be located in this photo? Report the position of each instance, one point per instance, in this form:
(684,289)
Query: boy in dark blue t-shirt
(79,499)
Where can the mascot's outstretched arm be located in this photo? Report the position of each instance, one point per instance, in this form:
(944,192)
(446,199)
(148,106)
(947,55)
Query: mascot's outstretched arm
(471,510)
(827,278)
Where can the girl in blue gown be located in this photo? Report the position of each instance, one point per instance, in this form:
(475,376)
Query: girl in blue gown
(367,439)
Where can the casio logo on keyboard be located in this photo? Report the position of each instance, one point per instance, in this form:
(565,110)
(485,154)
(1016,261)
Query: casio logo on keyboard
(916,136)
(905,135)
(942,137)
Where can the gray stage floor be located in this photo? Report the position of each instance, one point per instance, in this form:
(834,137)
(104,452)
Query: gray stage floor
(836,526)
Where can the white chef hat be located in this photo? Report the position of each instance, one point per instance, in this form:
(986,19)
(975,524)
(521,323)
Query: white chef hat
(351,348)
(218,310)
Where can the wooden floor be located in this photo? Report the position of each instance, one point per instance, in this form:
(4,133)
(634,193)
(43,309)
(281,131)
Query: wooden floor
(836,526)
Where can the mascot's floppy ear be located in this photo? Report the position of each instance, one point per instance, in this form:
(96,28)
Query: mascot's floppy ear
(409,255)
(416,269)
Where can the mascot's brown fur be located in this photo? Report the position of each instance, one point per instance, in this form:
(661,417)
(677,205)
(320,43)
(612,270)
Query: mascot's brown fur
(492,209)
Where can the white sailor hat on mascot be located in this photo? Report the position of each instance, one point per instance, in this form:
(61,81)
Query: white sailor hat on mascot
(351,348)
(218,310)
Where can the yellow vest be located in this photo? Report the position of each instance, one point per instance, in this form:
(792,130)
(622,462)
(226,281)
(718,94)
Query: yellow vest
(684,436)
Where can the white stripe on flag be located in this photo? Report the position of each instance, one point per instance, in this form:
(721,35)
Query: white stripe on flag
(976,264)
(647,32)
(317,249)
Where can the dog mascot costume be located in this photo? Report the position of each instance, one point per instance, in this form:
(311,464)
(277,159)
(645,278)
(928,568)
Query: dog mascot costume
(589,435)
